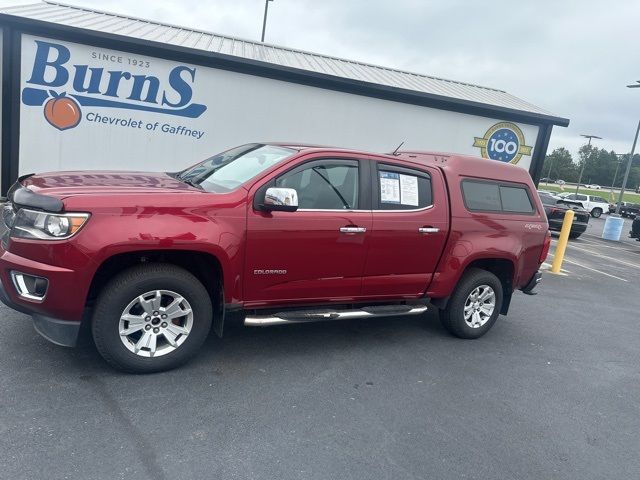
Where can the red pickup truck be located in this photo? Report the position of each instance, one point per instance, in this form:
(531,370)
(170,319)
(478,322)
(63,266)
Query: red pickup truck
(276,233)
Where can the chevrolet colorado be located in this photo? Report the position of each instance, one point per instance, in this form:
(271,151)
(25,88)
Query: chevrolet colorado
(275,233)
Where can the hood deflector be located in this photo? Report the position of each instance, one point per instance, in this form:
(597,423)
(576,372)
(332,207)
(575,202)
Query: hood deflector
(24,197)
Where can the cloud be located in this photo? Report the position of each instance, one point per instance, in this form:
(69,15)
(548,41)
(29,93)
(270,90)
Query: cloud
(572,58)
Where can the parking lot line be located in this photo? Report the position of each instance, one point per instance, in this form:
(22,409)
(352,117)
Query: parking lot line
(600,255)
(547,266)
(593,269)
(602,244)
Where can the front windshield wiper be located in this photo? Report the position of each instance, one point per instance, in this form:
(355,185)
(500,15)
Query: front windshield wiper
(188,181)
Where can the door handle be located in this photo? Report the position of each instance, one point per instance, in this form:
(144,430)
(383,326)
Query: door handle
(353,229)
(428,230)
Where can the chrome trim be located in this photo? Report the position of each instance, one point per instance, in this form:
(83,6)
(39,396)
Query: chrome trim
(21,286)
(365,211)
(267,320)
(428,230)
(60,214)
(277,196)
(428,207)
(331,210)
(353,229)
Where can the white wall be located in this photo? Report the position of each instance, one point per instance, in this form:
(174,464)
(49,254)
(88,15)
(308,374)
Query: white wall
(239,109)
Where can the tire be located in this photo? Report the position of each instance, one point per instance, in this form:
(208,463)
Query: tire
(160,298)
(573,236)
(596,212)
(453,316)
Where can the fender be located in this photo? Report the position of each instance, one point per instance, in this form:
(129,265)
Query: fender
(181,234)
(459,254)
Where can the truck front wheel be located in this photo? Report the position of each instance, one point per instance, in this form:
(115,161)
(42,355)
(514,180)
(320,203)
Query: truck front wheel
(474,306)
(151,318)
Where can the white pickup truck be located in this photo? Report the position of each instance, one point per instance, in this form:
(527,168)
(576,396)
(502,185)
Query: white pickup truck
(592,203)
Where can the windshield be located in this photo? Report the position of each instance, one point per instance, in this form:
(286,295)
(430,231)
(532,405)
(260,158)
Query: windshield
(228,170)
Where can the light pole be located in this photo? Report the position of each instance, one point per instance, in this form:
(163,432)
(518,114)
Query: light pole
(585,159)
(264,20)
(615,175)
(549,174)
(630,162)
(626,173)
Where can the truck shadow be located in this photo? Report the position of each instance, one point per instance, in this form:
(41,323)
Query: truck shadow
(288,343)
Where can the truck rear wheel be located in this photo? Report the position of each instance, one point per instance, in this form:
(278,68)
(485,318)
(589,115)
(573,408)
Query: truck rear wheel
(151,318)
(474,306)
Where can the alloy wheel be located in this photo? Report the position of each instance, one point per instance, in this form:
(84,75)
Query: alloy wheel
(155,323)
(479,306)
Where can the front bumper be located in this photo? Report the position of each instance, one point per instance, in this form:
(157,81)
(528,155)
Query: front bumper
(58,331)
(58,315)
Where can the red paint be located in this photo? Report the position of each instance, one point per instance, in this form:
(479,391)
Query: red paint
(134,211)
(545,247)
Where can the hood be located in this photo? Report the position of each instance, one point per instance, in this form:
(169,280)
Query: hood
(63,184)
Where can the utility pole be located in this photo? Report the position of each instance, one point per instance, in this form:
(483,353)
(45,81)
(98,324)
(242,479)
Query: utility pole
(626,174)
(630,162)
(549,174)
(586,158)
(615,175)
(264,20)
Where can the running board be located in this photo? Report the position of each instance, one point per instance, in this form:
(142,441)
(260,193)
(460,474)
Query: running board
(302,316)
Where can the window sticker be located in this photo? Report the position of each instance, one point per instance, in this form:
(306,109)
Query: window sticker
(409,190)
(389,187)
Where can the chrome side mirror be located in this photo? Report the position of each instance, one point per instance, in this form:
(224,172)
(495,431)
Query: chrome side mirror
(280,199)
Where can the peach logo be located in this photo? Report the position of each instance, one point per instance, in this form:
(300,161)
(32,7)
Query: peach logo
(61,111)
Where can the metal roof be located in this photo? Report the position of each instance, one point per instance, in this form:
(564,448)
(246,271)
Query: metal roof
(198,40)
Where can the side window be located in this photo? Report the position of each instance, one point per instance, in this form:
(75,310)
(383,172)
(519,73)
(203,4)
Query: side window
(581,198)
(493,197)
(599,199)
(481,196)
(515,200)
(324,185)
(400,188)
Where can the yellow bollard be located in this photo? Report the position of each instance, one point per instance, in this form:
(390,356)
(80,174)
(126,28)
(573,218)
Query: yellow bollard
(558,255)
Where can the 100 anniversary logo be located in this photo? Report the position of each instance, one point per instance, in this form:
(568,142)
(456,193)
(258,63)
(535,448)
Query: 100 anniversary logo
(504,142)
(93,88)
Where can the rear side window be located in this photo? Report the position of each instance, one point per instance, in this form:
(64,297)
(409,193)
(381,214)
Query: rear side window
(482,196)
(493,197)
(401,188)
(515,200)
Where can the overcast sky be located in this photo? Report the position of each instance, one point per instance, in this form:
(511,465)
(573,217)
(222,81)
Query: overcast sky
(572,58)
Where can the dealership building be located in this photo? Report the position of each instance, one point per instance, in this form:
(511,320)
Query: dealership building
(85,89)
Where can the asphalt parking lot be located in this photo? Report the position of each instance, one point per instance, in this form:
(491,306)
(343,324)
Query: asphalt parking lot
(553,391)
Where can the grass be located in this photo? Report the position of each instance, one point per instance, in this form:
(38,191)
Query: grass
(604,193)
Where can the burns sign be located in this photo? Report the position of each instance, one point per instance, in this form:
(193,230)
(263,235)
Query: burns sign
(64,88)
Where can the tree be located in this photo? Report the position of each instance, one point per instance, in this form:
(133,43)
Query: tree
(560,164)
(600,166)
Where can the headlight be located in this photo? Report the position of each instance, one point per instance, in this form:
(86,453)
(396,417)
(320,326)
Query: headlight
(47,226)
